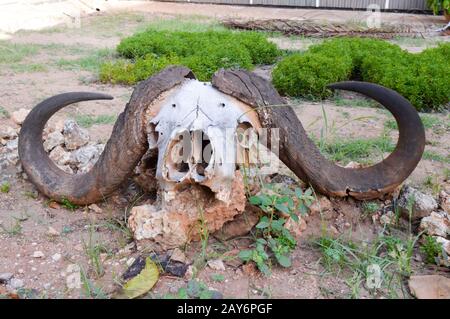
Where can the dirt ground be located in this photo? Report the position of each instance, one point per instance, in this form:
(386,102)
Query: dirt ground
(45,275)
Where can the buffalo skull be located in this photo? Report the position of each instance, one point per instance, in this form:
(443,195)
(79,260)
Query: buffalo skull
(175,119)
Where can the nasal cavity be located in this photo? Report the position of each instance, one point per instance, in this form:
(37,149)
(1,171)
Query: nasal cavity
(201,151)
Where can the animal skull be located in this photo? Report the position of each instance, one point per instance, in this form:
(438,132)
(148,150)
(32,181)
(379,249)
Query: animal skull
(192,127)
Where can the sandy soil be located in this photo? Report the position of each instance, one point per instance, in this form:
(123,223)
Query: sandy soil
(46,276)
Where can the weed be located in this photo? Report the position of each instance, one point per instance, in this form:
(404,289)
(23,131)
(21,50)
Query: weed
(93,250)
(3,113)
(358,150)
(90,290)
(91,62)
(369,208)
(274,238)
(67,204)
(218,277)
(13,52)
(87,121)
(432,156)
(5,187)
(14,230)
(432,182)
(431,249)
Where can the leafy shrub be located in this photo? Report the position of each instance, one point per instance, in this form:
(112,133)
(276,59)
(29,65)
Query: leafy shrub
(204,52)
(421,78)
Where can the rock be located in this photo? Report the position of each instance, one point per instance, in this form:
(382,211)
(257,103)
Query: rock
(430,287)
(178,255)
(53,139)
(190,272)
(388,219)
(38,254)
(54,126)
(8,133)
(5,277)
(19,116)
(52,232)
(15,284)
(73,280)
(321,205)
(95,208)
(85,157)
(60,156)
(56,257)
(422,204)
(437,224)
(128,249)
(353,165)
(444,201)
(175,222)
(12,145)
(240,225)
(216,264)
(444,242)
(296,228)
(74,135)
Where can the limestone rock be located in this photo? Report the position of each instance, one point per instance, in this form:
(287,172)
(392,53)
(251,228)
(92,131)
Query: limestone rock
(216,264)
(8,133)
(321,205)
(430,287)
(53,139)
(445,243)
(60,156)
(422,204)
(19,116)
(74,135)
(444,201)
(176,222)
(296,228)
(240,225)
(437,224)
(85,157)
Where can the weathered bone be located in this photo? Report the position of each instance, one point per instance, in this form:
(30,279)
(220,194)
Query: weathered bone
(190,114)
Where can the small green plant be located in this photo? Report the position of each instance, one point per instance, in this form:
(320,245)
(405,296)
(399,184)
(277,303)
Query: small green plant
(218,277)
(5,187)
(93,251)
(15,229)
(67,204)
(431,249)
(90,290)
(3,113)
(274,238)
(369,208)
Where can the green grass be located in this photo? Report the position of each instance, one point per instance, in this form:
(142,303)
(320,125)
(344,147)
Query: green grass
(14,52)
(91,62)
(357,102)
(432,156)
(87,121)
(28,67)
(14,229)
(429,122)
(377,266)
(358,150)
(369,208)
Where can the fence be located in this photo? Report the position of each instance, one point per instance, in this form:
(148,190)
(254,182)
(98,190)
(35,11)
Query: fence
(396,5)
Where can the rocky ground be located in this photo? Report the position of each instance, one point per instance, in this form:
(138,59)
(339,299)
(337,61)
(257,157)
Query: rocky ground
(52,250)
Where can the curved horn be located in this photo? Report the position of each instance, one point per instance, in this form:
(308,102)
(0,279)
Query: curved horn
(302,156)
(126,146)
